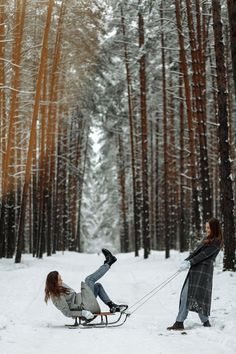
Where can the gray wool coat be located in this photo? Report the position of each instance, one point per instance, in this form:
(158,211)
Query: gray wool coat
(200,277)
(73,303)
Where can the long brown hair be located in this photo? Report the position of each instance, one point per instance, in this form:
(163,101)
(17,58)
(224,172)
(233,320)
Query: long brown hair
(216,233)
(52,288)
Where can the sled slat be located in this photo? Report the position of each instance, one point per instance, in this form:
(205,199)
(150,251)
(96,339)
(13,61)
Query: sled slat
(104,314)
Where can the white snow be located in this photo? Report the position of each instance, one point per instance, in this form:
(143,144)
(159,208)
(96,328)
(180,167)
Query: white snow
(29,326)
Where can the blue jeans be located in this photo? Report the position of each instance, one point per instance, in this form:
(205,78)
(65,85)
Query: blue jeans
(183,311)
(97,288)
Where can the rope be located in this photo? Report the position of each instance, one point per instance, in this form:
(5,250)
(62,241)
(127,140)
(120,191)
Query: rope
(151,293)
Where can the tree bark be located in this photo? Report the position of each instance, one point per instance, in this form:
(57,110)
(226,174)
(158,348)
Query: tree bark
(232,24)
(131,118)
(227,202)
(8,193)
(143,107)
(182,214)
(124,234)
(32,135)
(2,92)
(198,77)
(184,70)
(165,143)
(51,133)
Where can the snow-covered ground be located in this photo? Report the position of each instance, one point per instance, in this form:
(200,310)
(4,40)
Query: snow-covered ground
(29,326)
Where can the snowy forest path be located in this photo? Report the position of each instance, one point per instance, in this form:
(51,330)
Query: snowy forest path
(41,328)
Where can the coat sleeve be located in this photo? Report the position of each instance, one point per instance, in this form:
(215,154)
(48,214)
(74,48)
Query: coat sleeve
(204,253)
(61,304)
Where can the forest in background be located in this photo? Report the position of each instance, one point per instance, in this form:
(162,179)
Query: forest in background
(154,83)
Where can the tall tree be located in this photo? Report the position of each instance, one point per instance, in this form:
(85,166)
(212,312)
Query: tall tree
(198,82)
(165,143)
(143,111)
(232,23)
(3,122)
(49,165)
(8,197)
(124,234)
(32,135)
(227,202)
(184,70)
(131,127)
(182,213)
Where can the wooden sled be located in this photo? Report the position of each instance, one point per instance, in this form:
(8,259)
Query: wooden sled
(101,320)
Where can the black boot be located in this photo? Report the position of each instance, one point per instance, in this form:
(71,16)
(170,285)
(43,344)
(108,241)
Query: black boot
(116,308)
(177,326)
(110,259)
(207,324)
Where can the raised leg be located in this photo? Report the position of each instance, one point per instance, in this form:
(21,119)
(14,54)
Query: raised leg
(97,288)
(100,291)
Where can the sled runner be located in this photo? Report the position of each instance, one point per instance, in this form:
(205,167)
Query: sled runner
(105,319)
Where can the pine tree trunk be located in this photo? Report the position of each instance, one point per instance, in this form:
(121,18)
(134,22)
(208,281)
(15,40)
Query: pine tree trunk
(165,144)
(138,179)
(157,214)
(76,144)
(10,197)
(184,69)
(230,90)
(182,227)
(198,107)
(227,202)
(32,136)
(143,107)
(213,146)
(58,196)
(173,177)
(3,121)
(152,186)
(232,24)
(2,93)
(51,133)
(8,194)
(40,235)
(62,151)
(80,193)
(124,234)
(58,200)
(131,118)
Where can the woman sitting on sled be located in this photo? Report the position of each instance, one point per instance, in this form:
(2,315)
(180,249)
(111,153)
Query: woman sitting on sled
(83,304)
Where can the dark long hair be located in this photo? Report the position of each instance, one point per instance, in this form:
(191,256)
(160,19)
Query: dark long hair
(216,233)
(52,288)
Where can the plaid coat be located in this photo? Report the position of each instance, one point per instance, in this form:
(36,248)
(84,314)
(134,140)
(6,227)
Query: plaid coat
(200,277)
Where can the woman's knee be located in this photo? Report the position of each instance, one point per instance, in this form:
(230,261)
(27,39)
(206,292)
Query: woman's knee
(98,285)
(97,289)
